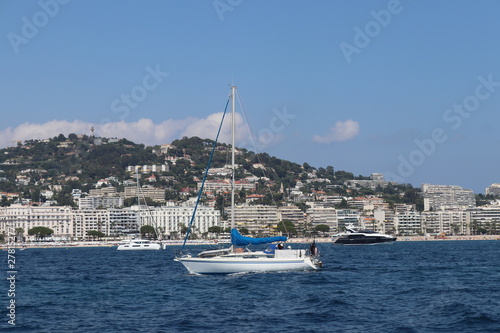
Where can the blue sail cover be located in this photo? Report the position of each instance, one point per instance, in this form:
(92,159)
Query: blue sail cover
(238,239)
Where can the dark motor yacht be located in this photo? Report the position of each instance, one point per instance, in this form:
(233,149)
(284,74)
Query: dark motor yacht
(352,236)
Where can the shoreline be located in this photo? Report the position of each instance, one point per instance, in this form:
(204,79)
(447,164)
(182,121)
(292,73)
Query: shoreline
(447,238)
(212,242)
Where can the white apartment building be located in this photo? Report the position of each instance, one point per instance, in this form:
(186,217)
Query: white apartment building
(86,220)
(147,168)
(155,194)
(258,219)
(347,216)
(451,222)
(103,191)
(294,214)
(384,219)
(493,189)
(438,197)
(123,221)
(92,202)
(408,223)
(376,179)
(57,218)
(319,214)
(169,220)
(486,217)
(218,185)
(68,224)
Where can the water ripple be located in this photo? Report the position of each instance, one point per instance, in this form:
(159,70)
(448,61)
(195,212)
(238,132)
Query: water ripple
(406,287)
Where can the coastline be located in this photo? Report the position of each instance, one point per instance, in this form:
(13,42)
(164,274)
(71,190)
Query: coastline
(448,238)
(212,242)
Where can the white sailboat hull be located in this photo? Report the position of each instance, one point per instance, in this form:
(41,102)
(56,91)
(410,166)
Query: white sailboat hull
(284,260)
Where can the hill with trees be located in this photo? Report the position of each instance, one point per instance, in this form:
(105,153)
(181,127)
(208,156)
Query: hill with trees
(61,164)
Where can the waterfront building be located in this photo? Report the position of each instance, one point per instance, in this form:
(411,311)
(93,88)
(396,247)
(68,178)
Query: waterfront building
(123,222)
(170,220)
(384,219)
(408,223)
(450,222)
(294,214)
(319,214)
(485,219)
(347,216)
(57,218)
(87,220)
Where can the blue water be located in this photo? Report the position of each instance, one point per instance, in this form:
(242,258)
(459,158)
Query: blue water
(441,286)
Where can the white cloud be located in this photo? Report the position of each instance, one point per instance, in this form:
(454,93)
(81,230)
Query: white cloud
(142,131)
(342,131)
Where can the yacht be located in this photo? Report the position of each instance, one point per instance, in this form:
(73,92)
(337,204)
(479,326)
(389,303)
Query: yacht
(139,244)
(353,236)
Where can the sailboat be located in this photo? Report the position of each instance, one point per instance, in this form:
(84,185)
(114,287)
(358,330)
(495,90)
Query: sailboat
(238,258)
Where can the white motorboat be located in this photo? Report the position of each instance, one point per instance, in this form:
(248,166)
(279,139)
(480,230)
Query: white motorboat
(238,258)
(139,244)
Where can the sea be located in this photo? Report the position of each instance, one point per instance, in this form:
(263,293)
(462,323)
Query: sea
(433,286)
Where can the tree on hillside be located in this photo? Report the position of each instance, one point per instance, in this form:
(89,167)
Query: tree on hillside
(64,197)
(343,204)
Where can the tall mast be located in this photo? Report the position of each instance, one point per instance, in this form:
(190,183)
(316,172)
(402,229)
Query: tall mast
(233,93)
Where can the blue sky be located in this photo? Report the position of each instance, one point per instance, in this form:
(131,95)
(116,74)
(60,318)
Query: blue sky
(407,88)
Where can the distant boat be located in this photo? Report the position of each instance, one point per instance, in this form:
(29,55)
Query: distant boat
(139,244)
(353,236)
(239,259)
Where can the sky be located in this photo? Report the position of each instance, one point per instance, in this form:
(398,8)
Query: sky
(410,89)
